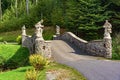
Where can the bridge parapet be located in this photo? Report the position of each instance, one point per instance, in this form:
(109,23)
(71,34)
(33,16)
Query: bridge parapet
(95,47)
(92,47)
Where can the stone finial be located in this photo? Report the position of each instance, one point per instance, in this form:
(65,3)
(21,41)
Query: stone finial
(107,39)
(24,31)
(39,24)
(57,30)
(39,30)
(108,30)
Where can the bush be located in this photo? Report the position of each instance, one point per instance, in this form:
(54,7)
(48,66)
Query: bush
(38,61)
(116,47)
(19,39)
(31,74)
(2,62)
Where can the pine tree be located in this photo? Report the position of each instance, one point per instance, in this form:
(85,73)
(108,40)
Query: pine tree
(85,16)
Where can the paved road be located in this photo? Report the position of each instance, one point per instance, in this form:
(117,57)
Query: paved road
(93,68)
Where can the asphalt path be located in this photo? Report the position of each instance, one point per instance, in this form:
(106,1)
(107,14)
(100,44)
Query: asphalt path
(93,68)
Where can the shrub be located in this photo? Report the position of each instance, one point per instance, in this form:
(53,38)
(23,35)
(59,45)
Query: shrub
(116,47)
(19,39)
(2,62)
(31,74)
(38,61)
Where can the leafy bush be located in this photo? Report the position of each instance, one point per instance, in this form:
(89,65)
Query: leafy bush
(38,61)
(19,39)
(31,74)
(2,62)
(116,47)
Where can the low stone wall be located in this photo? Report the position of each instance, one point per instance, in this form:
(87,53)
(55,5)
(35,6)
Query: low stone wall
(92,48)
(96,48)
(70,37)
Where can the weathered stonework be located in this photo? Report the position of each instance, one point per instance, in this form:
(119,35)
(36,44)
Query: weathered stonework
(107,39)
(57,30)
(36,43)
(96,47)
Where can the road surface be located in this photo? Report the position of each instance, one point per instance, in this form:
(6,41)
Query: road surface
(93,68)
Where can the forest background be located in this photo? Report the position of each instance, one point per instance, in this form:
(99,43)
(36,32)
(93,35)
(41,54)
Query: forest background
(83,17)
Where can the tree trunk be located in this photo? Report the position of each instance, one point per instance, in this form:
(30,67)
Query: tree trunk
(36,2)
(0,10)
(27,6)
(16,6)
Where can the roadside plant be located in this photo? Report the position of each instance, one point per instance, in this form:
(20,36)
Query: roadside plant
(38,61)
(116,47)
(31,74)
(19,39)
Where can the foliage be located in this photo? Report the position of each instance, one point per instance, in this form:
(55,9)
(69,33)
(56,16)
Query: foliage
(11,36)
(2,62)
(83,17)
(14,56)
(38,61)
(116,47)
(19,39)
(31,74)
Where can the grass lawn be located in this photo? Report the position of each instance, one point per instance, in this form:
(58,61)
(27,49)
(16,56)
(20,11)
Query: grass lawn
(12,56)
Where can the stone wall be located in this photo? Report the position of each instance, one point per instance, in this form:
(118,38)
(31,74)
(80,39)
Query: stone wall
(36,43)
(96,48)
(92,48)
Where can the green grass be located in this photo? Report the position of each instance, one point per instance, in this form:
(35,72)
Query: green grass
(14,55)
(19,74)
(11,36)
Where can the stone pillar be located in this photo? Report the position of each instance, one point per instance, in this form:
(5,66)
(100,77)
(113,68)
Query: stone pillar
(23,36)
(57,30)
(107,39)
(47,49)
(39,41)
(39,46)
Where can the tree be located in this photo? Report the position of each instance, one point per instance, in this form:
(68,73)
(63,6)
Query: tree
(86,16)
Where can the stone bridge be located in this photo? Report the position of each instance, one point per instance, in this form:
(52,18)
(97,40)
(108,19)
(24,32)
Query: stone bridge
(75,52)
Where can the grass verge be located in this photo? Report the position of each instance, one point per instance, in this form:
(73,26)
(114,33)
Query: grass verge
(19,74)
(17,57)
